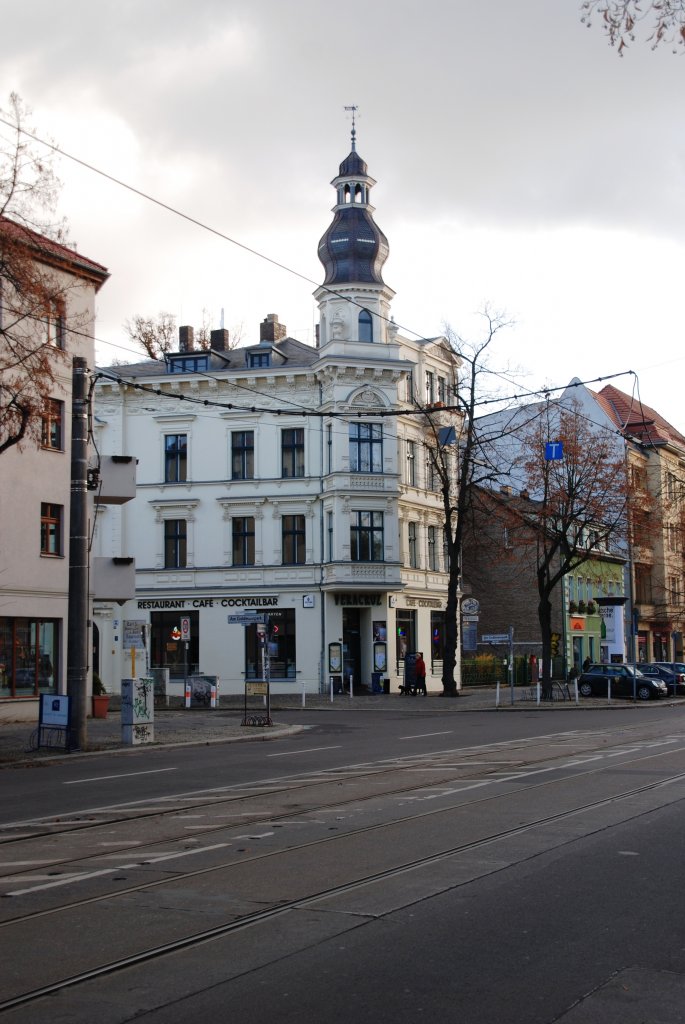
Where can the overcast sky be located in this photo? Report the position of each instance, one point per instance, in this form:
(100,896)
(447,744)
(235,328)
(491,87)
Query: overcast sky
(520,163)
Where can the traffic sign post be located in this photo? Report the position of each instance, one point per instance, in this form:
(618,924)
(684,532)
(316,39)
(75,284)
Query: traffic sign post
(250,617)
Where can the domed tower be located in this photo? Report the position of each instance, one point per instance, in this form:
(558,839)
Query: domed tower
(354,301)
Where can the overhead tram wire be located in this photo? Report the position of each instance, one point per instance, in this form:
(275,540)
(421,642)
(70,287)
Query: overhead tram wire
(282,266)
(331,413)
(200,224)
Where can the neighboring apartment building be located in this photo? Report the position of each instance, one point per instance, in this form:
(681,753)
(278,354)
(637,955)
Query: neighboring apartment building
(655,453)
(592,601)
(283,478)
(500,563)
(36,479)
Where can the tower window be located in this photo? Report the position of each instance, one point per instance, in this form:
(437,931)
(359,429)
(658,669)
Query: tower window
(365,326)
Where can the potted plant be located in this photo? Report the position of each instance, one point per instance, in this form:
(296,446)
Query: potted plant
(572,607)
(581,607)
(591,607)
(100,698)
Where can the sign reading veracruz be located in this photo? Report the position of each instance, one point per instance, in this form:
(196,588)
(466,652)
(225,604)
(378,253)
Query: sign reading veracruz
(179,603)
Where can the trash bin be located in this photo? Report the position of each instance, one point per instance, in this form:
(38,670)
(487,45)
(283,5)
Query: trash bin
(376,682)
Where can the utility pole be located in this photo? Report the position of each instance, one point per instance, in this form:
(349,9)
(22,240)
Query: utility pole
(77,637)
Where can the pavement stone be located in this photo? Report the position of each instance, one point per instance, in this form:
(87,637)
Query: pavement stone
(175,725)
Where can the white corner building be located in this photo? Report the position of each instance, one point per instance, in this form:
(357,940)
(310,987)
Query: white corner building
(287,479)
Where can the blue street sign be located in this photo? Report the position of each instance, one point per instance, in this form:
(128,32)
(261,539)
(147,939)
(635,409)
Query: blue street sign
(554,450)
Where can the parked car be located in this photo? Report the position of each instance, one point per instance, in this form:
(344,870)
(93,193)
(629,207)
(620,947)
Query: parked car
(672,673)
(625,681)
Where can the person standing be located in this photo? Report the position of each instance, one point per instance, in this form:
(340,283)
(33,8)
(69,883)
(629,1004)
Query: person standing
(420,673)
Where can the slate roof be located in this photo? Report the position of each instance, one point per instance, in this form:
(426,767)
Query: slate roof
(295,354)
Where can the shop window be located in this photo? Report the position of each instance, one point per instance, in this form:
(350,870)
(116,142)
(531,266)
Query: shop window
(167,650)
(242,455)
(405,632)
(175,543)
(52,425)
(437,636)
(366,537)
(29,656)
(293,540)
(366,447)
(280,647)
(292,452)
(175,458)
(51,525)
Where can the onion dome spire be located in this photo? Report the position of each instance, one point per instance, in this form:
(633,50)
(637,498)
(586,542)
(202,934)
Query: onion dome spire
(354,249)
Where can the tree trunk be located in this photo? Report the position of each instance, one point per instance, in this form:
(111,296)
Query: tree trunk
(451,637)
(545,619)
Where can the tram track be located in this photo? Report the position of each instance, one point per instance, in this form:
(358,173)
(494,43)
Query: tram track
(253,919)
(265,821)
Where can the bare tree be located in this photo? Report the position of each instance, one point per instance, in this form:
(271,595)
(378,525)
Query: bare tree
(32,293)
(157,335)
(663,20)
(579,506)
(461,460)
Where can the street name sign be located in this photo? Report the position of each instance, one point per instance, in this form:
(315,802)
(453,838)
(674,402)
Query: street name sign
(495,638)
(248,618)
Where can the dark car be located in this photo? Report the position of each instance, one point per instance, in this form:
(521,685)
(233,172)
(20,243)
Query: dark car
(672,673)
(625,681)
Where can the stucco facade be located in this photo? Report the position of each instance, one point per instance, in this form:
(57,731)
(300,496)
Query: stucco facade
(35,492)
(284,478)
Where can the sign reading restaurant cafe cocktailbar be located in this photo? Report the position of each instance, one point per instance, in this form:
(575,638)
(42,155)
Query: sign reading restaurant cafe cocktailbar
(180,603)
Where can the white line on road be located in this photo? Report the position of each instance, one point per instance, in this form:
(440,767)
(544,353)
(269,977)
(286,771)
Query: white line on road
(309,750)
(420,735)
(124,775)
(67,879)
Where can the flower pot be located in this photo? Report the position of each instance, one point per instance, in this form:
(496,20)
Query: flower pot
(100,706)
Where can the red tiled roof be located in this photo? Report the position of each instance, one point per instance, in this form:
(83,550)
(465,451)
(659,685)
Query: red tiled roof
(54,251)
(634,417)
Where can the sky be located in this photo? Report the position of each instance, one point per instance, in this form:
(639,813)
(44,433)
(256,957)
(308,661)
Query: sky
(521,165)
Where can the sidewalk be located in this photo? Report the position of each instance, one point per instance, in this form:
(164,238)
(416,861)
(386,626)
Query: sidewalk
(224,725)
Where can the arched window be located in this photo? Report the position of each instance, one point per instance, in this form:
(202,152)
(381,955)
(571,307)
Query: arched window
(365,326)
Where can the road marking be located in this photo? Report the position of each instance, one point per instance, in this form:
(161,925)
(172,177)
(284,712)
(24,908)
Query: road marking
(124,775)
(309,750)
(86,876)
(421,735)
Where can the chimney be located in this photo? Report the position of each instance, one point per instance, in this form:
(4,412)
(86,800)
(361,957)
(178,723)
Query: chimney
(219,340)
(186,339)
(271,330)
(506,489)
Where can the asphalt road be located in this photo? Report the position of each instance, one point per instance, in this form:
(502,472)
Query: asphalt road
(392,866)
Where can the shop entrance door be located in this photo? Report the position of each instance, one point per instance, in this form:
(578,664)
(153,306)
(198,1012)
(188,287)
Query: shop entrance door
(352,647)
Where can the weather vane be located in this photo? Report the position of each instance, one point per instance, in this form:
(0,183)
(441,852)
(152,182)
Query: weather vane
(354,110)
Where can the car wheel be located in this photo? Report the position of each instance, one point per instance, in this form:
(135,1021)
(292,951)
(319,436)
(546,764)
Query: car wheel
(586,689)
(644,692)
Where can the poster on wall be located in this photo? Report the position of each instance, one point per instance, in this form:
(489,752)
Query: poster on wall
(380,632)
